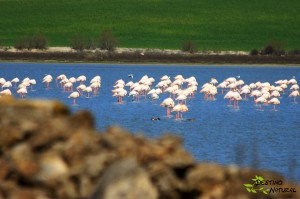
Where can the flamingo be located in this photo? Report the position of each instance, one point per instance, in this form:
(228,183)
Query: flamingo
(88,90)
(22,92)
(168,103)
(81,88)
(292,81)
(177,110)
(2,81)
(60,77)
(236,97)
(295,94)
(32,82)
(274,101)
(245,91)
(96,79)
(74,95)
(183,109)
(72,80)
(122,94)
(68,85)
(154,96)
(47,79)
(212,92)
(213,81)
(6,85)
(181,98)
(5,92)
(223,85)
(275,93)
(261,100)
(255,94)
(95,86)
(15,81)
(294,87)
(228,95)
(81,79)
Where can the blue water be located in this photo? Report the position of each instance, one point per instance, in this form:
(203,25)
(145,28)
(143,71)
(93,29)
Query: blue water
(246,136)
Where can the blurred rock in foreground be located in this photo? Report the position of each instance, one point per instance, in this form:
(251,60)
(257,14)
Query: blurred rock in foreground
(48,153)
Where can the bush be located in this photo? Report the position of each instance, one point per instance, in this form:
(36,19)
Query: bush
(37,41)
(90,44)
(78,42)
(273,48)
(294,52)
(254,52)
(107,40)
(189,46)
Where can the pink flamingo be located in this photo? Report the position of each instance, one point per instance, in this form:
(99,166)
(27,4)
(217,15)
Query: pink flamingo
(88,90)
(6,85)
(295,94)
(74,95)
(81,88)
(274,101)
(5,92)
(47,79)
(22,92)
(81,79)
(60,77)
(168,103)
(2,81)
(261,100)
(236,97)
(15,81)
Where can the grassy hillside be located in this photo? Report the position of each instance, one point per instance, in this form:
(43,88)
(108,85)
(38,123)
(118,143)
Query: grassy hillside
(212,24)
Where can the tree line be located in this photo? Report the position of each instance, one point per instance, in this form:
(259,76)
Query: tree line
(107,41)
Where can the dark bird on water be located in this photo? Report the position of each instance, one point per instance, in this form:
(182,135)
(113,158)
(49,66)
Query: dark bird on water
(155,118)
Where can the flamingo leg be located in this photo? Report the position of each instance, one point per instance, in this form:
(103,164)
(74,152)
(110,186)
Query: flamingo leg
(74,101)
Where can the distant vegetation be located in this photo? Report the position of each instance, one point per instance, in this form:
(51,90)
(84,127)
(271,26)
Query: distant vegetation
(212,24)
(189,46)
(106,41)
(36,41)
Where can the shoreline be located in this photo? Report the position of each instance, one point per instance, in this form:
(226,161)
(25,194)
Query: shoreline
(156,64)
(147,57)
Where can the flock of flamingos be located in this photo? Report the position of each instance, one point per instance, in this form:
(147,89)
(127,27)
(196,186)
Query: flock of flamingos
(182,88)
(178,90)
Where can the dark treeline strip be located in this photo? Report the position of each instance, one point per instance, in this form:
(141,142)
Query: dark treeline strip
(148,58)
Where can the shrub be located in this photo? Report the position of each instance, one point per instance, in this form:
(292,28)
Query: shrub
(254,52)
(78,42)
(107,40)
(189,46)
(38,41)
(273,48)
(90,43)
(23,43)
(294,52)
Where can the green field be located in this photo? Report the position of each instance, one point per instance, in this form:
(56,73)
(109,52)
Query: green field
(212,24)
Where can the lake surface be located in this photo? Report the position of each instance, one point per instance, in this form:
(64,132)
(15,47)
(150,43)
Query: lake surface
(247,136)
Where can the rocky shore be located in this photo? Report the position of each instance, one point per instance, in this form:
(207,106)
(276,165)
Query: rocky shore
(139,55)
(48,153)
